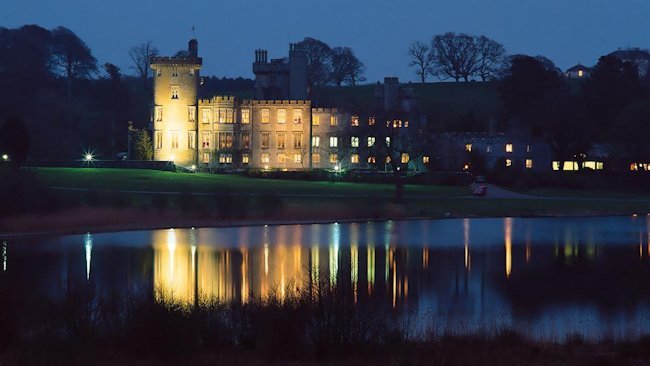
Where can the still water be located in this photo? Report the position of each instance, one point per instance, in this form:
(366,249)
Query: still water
(547,277)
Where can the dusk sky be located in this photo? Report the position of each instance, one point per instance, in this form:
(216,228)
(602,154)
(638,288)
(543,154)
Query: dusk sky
(379,31)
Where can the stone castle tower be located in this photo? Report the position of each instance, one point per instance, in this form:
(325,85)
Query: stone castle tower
(281,78)
(175,106)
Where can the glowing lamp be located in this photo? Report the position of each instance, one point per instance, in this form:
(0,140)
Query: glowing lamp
(88,157)
(337,168)
(193,167)
(5,157)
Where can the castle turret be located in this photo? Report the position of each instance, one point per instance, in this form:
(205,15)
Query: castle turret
(297,72)
(175,99)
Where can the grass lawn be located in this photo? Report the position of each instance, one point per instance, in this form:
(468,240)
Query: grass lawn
(159,181)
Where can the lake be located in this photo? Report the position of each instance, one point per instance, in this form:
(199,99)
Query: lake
(545,277)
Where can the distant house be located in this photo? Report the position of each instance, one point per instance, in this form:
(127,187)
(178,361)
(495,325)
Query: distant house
(578,72)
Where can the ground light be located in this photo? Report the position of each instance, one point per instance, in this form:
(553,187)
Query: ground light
(193,167)
(5,157)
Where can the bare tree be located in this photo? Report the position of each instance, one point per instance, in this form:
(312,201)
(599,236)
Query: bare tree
(422,58)
(455,56)
(319,61)
(141,57)
(346,67)
(490,55)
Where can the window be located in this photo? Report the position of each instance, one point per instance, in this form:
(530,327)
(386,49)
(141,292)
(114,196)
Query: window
(221,115)
(205,157)
(315,158)
(191,140)
(158,72)
(159,111)
(354,141)
(508,162)
(388,160)
(406,124)
(191,114)
(265,141)
(397,123)
(230,116)
(425,160)
(334,142)
(371,160)
(354,121)
(334,158)
(297,116)
(508,148)
(488,148)
(174,71)
(191,72)
(159,140)
(245,116)
(387,141)
(371,121)
(315,141)
(354,158)
(332,120)
(175,89)
(225,140)
(529,163)
(315,120)
(245,158)
(580,73)
(297,140)
(282,115)
(174,140)
(468,147)
(205,140)
(245,140)
(206,113)
(281,140)
(371,141)
(281,158)
(405,158)
(297,158)
(225,158)
(266,115)
(265,158)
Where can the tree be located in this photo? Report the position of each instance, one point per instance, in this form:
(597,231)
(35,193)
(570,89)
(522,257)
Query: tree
(141,57)
(346,67)
(422,58)
(143,145)
(629,129)
(71,57)
(490,55)
(319,61)
(14,140)
(455,56)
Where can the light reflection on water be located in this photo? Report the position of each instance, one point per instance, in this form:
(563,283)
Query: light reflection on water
(549,277)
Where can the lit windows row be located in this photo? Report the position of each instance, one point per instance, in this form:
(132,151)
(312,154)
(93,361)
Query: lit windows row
(354,141)
(265,158)
(174,72)
(224,115)
(265,140)
(281,116)
(508,148)
(174,140)
(191,114)
(225,140)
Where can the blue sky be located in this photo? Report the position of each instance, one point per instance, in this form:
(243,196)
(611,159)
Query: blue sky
(379,31)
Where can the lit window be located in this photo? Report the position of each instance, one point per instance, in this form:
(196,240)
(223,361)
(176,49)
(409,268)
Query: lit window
(245,140)
(205,112)
(297,140)
(282,115)
(405,158)
(281,140)
(297,158)
(371,121)
(205,158)
(334,142)
(406,124)
(371,160)
(425,159)
(354,121)
(191,140)
(174,71)
(225,140)
(175,89)
(580,73)
(529,163)
(174,140)
(334,158)
(225,158)
(245,158)
(297,116)
(191,72)
(354,141)
(488,148)
(388,160)
(230,116)
(281,158)
(265,158)
(315,141)
(205,140)
(221,115)
(191,113)
(371,141)
(508,148)
(265,140)
(315,120)
(158,72)
(315,158)
(508,162)
(354,159)
(468,147)
(332,120)
(466,166)
(159,140)
(159,111)
(245,116)
(266,115)
(387,141)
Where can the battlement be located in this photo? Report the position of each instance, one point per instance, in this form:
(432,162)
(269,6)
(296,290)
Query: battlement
(218,99)
(282,102)
(166,60)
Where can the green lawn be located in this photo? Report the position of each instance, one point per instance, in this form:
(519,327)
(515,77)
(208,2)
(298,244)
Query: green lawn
(159,181)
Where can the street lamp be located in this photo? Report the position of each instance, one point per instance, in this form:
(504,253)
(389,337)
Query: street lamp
(88,157)
(5,157)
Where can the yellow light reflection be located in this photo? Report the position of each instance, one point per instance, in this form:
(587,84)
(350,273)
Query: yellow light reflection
(354,270)
(371,268)
(508,244)
(173,278)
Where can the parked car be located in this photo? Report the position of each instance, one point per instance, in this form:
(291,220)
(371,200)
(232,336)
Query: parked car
(480,191)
